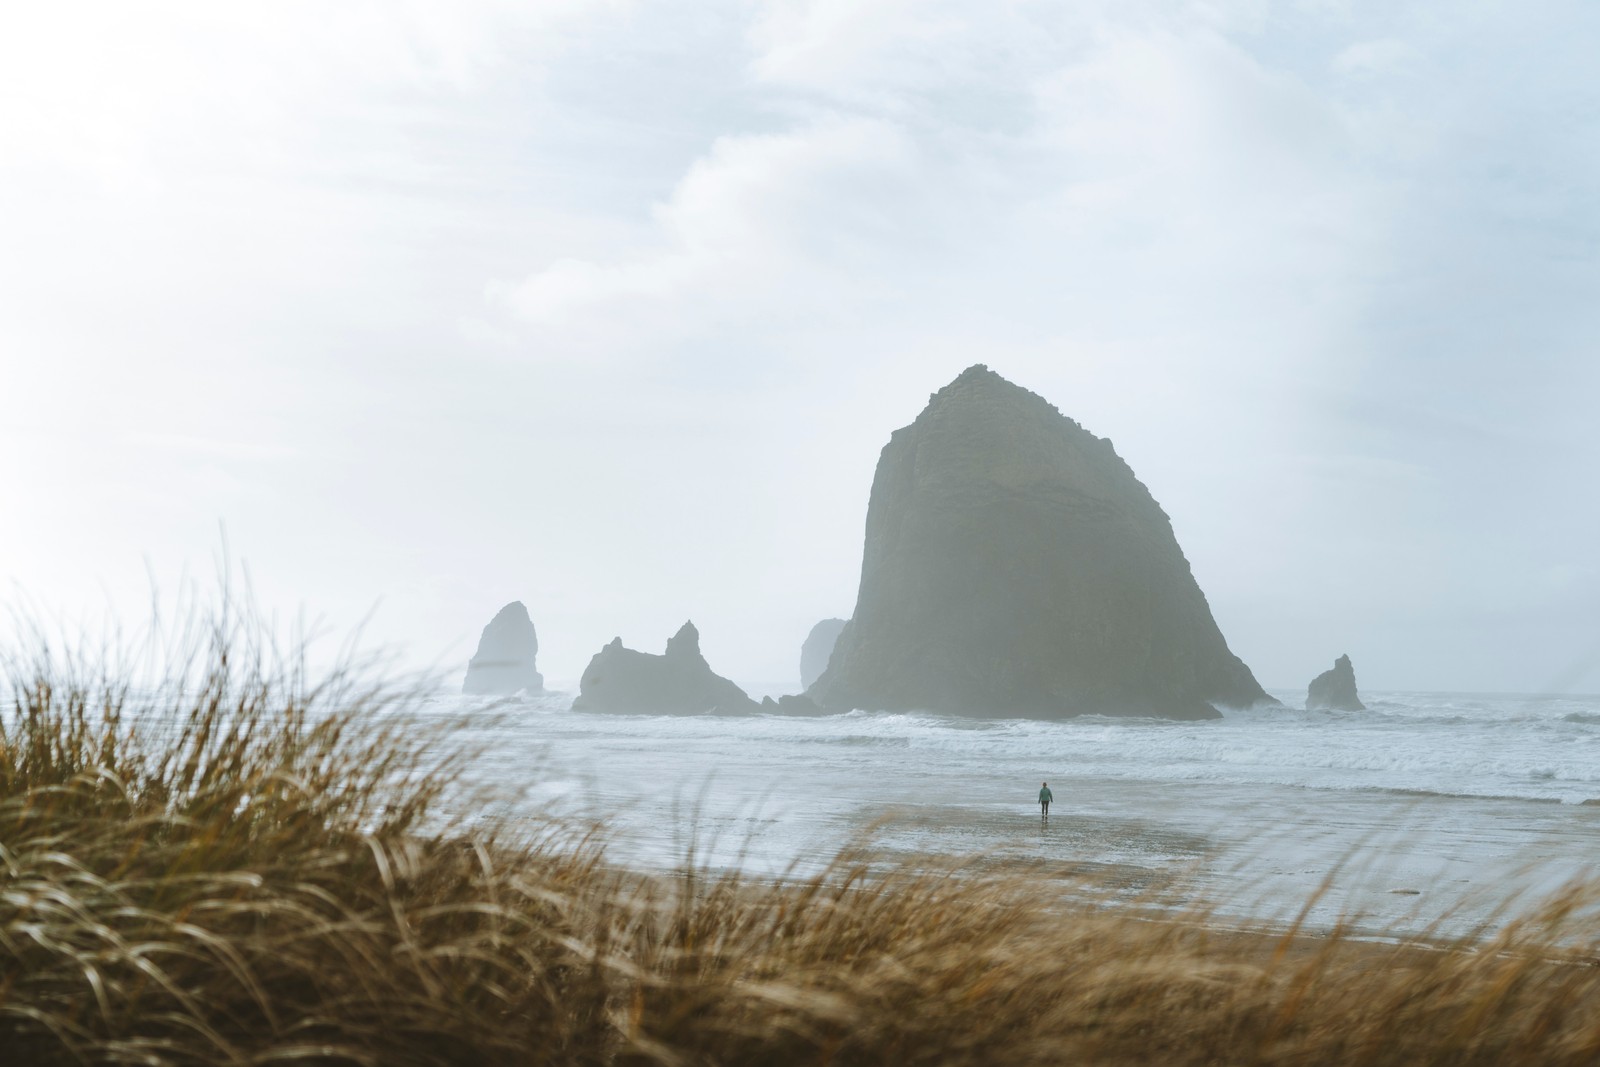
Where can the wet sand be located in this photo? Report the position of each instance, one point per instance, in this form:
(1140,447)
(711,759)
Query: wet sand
(1390,888)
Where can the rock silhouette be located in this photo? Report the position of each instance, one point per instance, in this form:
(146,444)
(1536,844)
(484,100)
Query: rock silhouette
(817,648)
(791,705)
(1335,689)
(505,660)
(1014,566)
(679,682)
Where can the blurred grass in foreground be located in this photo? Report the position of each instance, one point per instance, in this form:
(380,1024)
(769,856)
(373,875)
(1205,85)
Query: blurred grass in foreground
(239,865)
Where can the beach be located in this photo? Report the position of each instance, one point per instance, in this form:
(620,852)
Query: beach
(1425,815)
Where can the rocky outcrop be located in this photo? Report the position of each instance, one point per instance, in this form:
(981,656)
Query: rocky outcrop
(816,650)
(791,705)
(507,651)
(1014,566)
(1335,689)
(680,682)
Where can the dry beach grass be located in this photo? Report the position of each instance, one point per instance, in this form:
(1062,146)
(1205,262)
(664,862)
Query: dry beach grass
(240,865)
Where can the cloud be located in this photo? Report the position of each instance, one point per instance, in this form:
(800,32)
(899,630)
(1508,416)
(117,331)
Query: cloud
(121,92)
(960,164)
(744,219)
(1383,57)
(873,55)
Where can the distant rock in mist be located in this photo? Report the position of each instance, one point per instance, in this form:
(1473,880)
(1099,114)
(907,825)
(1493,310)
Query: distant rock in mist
(506,653)
(1014,566)
(678,682)
(791,705)
(1335,689)
(816,650)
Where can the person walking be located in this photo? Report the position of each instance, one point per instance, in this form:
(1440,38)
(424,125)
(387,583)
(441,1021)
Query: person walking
(1044,800)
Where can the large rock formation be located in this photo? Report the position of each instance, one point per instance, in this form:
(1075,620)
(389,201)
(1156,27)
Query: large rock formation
(1014,566)
(816,650)
(1335,689)
(506,653)
(679,682)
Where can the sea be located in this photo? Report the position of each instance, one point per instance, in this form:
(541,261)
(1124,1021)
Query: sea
(1428,813)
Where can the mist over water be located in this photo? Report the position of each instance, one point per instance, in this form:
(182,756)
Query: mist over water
(1425,804)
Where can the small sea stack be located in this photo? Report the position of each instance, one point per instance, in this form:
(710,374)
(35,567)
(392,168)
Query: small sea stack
(678,682)
(1335,689)
(505,660)
(817,648)
(1014,566)
(793,704)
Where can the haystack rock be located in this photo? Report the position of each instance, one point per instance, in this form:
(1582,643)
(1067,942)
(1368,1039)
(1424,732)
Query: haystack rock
(506,653)
(816,650)
(1335,689)
(1014,566)
(679,682)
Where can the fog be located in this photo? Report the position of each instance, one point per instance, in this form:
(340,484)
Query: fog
(609,308)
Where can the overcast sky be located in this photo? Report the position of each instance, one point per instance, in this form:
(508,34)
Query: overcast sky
(609,307)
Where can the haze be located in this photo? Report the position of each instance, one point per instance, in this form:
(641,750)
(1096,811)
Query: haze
(609,307)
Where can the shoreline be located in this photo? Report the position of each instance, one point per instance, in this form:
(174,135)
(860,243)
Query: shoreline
(1167,876)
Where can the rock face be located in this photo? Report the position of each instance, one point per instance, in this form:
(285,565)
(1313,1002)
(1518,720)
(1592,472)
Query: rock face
(506,653)
(1335,689)
(679,682)
(1014,566)
(816,650)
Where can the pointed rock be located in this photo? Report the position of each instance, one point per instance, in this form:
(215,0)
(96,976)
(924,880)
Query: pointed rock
(1014,566)
(685,644)
(816,650)
(678,682)
(507,651)
(1335,689)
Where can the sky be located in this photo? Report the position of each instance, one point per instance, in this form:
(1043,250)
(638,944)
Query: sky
(411,309)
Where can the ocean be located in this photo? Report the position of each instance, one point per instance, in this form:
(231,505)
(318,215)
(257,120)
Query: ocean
(1426,812)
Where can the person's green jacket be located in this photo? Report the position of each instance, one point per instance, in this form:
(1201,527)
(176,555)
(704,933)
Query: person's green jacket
(1044,795)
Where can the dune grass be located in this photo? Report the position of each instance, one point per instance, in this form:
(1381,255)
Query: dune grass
(238,865)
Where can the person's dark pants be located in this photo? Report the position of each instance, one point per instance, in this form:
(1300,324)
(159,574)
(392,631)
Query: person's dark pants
(1044,808)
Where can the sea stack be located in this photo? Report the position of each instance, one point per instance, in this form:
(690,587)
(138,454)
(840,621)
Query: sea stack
(1014,566)
(680,682)
(816,650)
(504,663)
(1335,689)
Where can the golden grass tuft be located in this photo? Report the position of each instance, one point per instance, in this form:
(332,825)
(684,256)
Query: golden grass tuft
(238,866)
